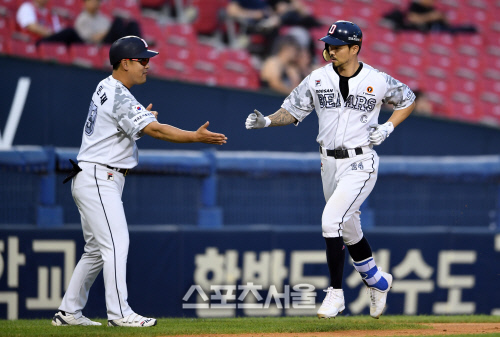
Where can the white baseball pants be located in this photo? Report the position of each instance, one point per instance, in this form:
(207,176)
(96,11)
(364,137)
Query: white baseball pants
(97,192)
(346,184)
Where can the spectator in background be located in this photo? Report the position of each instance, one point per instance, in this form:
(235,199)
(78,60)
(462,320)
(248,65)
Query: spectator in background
(423,106)
(248,11)
(279,71)
(252,18)
(293,13)
(38,23)
(423,16)
(94,27)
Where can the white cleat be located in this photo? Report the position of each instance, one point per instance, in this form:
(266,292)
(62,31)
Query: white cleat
(60,319)
(333,303)
(133,321)
(378,297)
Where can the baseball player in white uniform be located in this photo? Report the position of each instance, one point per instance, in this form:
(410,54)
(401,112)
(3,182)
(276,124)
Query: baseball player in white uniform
(347,96)
(115,121)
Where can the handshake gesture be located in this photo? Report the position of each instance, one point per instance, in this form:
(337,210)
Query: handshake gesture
(380,132)
(256,120)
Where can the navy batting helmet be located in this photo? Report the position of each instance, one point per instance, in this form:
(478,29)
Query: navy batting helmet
(342,33)
(129,47)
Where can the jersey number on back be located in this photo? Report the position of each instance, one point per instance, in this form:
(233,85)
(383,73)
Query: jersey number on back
(89,125)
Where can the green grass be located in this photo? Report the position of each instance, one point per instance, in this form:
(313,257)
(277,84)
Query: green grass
(262,325)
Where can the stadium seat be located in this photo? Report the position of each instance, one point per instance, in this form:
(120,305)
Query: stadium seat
(490,90)
(380,60)
(6,27)
(86,55)
(207,67)
(178,53)
(67,9)
(104,54)
(248,81)
(155,4)
(235,61)
(55,52)
(151,31)
(469,112)
(179,34)
(468,87)
(326,11)
(24,49)
(490,113)
(208,15)
(441,43)
(4,45)
(413,38)
(9,7)
(128,9)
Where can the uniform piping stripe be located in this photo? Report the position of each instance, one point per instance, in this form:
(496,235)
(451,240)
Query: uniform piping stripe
(369,176)
(112,241)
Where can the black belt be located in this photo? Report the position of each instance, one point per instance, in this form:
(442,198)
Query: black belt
(340,154)
(121,170)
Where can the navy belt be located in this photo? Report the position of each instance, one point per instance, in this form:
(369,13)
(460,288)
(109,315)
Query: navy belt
(121,170)
(340,154)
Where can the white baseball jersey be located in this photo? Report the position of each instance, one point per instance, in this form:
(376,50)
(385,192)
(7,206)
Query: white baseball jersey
(114,123)
(346,124)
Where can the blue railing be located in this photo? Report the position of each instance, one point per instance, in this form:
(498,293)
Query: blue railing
(217,170)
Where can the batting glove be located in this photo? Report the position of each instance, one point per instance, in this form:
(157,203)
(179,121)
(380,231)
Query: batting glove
(380,132)
(256,120)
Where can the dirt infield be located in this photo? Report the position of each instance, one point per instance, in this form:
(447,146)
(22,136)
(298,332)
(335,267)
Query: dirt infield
(435,329)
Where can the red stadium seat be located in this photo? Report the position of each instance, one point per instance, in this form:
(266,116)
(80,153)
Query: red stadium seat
(178,53)
(151,31)
(441,43)
(249,81)
(466,87)
(4,45)
(24,49)
(156,4)
(469,112)
(128,9)
(9,7)
(55,52)
(490,90)
(104,53)
(6,26)
(68,9)
(490,113)
(236,69)
(180,34)
(86,55)
(208,15)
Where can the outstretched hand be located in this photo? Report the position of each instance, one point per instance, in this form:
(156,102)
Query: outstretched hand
(208,137)
(255,120)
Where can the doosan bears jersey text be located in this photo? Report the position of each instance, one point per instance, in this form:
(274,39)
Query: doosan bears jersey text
(345,124)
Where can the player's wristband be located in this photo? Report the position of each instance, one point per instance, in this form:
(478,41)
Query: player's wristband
(268,122)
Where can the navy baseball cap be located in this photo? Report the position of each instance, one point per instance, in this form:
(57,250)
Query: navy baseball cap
(342,33)
(129,47)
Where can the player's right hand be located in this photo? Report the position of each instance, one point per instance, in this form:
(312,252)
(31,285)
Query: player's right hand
(155,113)
(255,120)
(208,137)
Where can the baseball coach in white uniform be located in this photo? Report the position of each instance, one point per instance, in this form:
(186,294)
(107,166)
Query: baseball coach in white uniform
(115,121)
(347,96)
